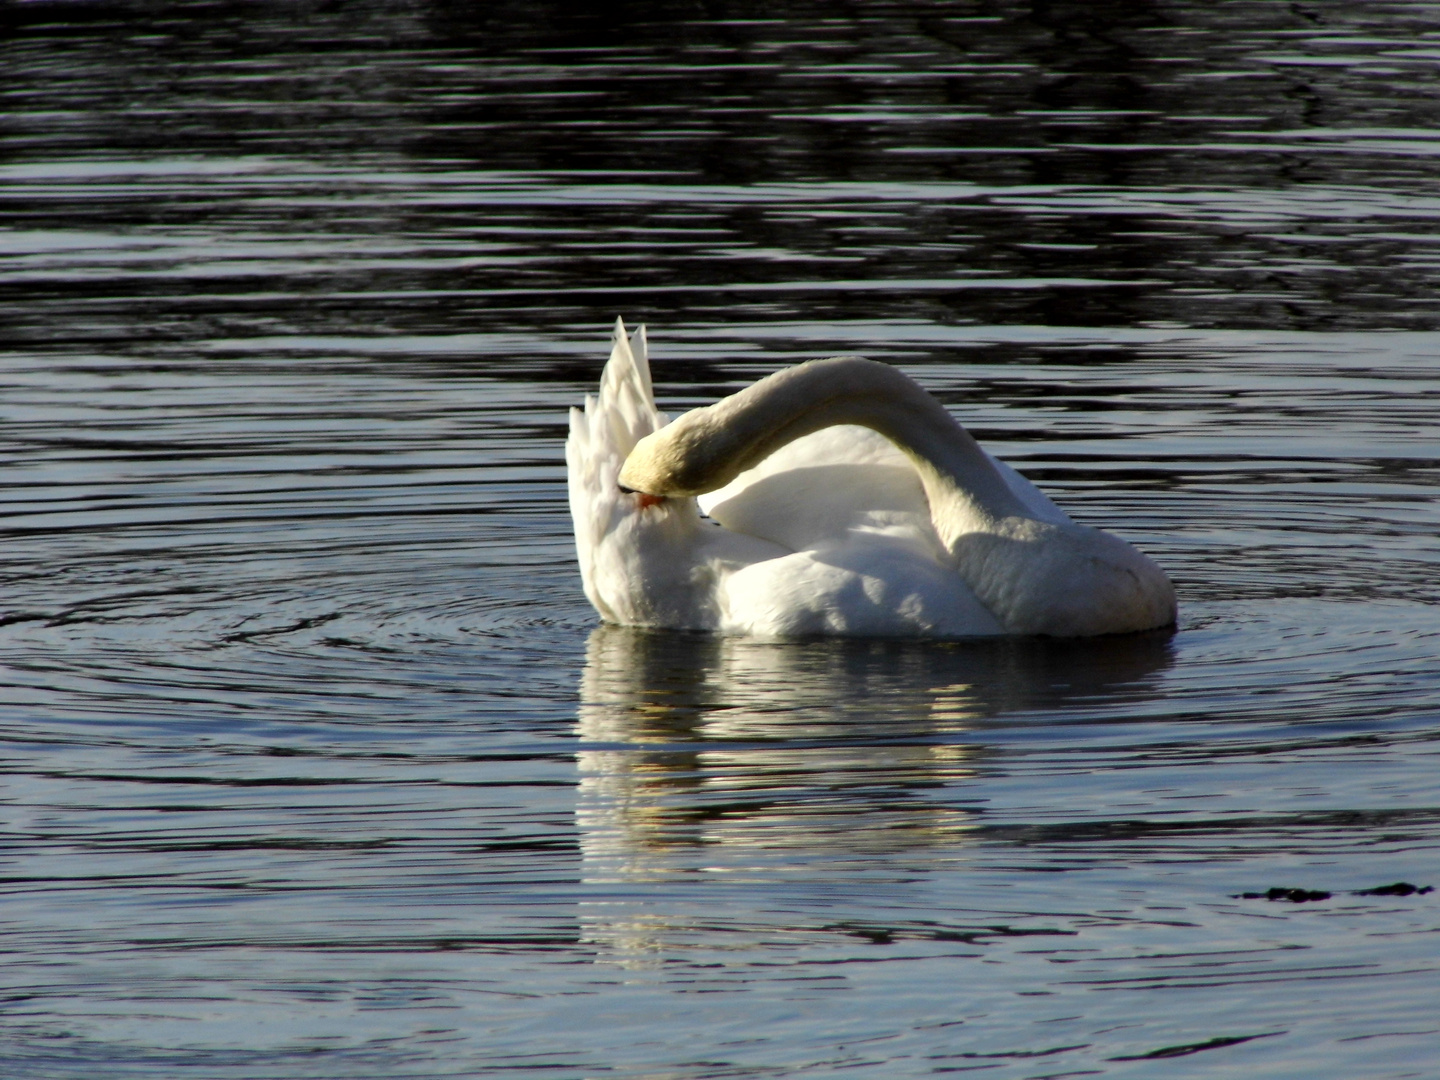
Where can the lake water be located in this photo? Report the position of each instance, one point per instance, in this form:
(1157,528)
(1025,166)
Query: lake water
(318,765)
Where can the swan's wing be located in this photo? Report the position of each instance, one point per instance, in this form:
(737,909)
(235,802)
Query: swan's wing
(842,478)
(602,434)
(867,560)
(843,444)
(1032,498)
(820,487)
(867,585)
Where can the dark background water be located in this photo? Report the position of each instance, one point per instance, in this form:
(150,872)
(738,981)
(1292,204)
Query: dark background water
(315,762)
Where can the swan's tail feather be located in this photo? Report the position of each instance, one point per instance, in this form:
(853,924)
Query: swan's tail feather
(624,411)
(601,438)
(626,405)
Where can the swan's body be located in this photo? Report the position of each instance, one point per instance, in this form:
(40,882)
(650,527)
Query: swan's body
(843,499)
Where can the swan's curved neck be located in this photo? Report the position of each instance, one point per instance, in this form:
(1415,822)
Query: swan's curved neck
(707,448)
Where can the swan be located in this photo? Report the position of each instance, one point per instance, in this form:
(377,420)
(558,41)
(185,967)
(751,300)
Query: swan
(836,497)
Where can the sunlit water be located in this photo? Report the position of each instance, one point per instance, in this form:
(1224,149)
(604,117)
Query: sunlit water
(316,762)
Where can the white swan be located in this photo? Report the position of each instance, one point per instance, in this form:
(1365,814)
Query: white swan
(843,499)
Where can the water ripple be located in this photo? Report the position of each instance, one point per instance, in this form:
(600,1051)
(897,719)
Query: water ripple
(316,763)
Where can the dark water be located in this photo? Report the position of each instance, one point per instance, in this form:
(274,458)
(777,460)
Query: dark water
(315,761)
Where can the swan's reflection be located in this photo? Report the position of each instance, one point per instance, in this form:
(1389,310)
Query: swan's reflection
(729,756)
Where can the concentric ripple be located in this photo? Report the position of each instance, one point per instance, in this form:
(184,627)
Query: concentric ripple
(317,763)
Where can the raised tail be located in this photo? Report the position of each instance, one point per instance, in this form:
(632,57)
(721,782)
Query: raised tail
(602,434)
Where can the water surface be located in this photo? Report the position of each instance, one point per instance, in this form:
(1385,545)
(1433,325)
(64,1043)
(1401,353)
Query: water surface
(316,762)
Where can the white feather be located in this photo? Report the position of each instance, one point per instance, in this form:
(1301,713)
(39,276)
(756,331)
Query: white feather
(836,532)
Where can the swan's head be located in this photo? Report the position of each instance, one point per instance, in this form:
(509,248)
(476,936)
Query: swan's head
(691,456)
(707,448)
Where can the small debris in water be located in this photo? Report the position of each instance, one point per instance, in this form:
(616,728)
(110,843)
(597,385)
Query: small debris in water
(1209,1044)
(1295,896)
(1301,896)
(1399,888)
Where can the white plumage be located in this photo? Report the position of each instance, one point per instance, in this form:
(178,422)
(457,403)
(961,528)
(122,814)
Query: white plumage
(819,524)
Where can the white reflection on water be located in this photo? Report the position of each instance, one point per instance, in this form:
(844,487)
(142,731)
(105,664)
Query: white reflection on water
(720,755)
(291,634)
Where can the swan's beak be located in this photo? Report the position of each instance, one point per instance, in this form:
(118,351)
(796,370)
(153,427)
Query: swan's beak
(643,498)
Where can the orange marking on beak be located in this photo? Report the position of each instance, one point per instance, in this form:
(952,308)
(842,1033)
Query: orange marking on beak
(648,500)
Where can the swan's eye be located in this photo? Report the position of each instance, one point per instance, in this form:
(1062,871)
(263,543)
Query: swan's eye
(644,499)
